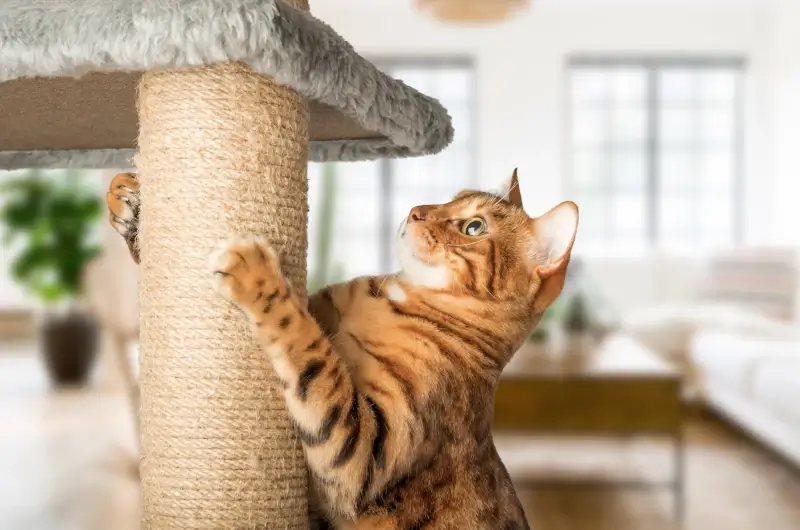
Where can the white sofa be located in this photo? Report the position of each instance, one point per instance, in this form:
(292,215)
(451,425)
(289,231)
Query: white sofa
(755,382)
(745,292)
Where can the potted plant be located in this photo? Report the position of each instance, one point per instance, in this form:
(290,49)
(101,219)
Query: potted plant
(50,224)
(578,327)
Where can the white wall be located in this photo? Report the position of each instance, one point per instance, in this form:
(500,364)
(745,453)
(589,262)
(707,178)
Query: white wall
(785,124)
(521,97)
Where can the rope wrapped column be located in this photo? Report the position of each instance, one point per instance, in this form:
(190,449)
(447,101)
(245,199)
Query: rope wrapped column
(222,151)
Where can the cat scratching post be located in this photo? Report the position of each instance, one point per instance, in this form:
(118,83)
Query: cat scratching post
(215,434)
(234,97)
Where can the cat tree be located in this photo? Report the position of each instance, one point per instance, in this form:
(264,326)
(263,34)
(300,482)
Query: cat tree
(226,101)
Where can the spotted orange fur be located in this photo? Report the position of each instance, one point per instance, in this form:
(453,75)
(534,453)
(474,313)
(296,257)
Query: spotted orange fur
(390,380)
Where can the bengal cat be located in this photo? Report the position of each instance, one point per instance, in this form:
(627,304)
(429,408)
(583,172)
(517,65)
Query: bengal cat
(390,380)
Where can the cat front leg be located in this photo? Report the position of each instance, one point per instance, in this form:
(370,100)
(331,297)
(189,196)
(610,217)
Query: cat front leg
(337,425)
(123,203)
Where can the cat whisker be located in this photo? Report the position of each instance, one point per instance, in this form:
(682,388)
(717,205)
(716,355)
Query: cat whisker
(490,293)
(333,337)
(380,287)
(505,197)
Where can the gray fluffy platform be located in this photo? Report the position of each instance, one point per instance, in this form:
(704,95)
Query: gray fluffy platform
(74,37)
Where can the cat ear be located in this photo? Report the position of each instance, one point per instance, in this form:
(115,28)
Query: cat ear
(509,190)
(555,234)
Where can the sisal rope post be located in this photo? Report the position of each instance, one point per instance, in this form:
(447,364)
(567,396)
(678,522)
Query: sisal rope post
(222,151)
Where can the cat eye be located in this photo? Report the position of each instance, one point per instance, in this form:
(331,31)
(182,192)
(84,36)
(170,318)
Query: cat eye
(473,227)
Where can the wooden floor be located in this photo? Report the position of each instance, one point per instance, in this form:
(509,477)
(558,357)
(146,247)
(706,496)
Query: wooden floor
(732,484)
(65,462)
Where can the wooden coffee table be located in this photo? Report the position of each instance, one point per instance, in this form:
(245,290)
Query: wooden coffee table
(619,389)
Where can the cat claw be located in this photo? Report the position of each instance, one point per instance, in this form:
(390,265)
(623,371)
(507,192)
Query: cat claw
(244,265)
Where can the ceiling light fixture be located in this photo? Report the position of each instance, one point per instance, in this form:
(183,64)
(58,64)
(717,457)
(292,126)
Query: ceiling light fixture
(471,11)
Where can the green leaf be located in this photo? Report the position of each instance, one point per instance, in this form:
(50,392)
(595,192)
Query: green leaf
(51,221)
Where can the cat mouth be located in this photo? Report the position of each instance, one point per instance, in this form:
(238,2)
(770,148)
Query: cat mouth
(404,242)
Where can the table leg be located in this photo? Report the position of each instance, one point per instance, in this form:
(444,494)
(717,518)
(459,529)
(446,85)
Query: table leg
(679,480)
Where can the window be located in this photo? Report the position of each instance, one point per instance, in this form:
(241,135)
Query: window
(654,153)
(356,207)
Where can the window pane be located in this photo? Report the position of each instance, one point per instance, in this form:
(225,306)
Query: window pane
(415,77)
(353,239)
(676,171)
(629,171)
(590,126)
(594,216)
(716,171)
(412,173)
(675,214)
(356,255)
(315,187)
(697,123)
(677,126)
(402,202)
(590,86)
(629,86)
(630,126)
(628,215)
(676,86)
(716,239)
(680,240)
(461,118)
(452,84)
(716,215)
(451,173)
(716,126)
(588,170)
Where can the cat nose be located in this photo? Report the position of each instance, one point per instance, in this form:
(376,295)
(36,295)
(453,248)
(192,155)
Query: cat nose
(418,213)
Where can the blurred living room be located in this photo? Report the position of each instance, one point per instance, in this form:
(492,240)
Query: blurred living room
(661,390)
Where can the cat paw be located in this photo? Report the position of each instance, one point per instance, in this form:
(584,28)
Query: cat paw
(247,271)
(123,208)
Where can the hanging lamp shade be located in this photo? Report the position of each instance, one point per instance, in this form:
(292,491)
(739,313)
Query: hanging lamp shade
(470,11)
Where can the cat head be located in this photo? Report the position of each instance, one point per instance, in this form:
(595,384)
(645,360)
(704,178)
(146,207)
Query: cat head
(485,244)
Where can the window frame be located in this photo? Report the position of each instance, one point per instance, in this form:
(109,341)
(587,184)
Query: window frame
(653,64)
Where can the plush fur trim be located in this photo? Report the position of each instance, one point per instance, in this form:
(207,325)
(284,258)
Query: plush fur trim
(353,150)
(89,159)
(74,37)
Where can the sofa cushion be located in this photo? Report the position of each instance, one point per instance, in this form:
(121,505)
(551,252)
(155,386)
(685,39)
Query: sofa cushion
(738,360)
(763,280)
(726,358)
(669,328)
(776,386)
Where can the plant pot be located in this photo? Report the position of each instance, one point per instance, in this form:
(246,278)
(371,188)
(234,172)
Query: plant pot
(69,346)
